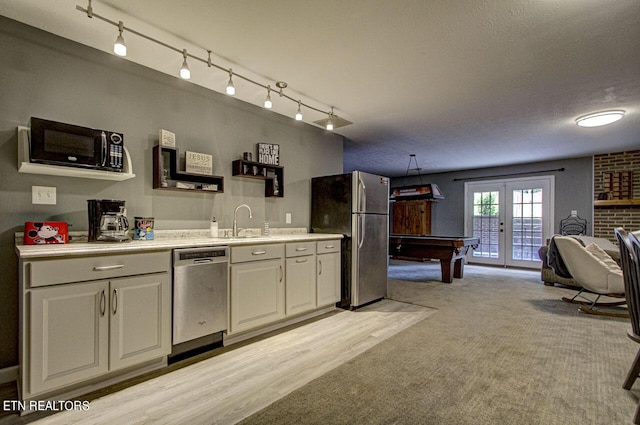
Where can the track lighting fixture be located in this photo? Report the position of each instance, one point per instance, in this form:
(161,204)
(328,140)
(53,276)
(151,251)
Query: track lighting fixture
(267,102)
(119,47)
(185,73)
(299,112)
(231,89)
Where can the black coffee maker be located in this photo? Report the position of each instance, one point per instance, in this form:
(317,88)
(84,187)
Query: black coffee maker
(98,207)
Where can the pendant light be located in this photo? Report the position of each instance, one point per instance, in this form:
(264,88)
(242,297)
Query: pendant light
(119,47)
(185,73)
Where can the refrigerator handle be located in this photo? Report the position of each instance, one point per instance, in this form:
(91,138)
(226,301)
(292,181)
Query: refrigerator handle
(363,196)
(361,218)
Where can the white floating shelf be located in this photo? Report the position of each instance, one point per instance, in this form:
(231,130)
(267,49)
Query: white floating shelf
(24,166)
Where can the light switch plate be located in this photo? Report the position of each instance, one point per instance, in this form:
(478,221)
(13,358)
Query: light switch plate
(574,213)
(43,195)
(288,218)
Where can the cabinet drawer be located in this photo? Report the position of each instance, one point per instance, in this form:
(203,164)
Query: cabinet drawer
(328,246)
(297,249)
(55,271)
(241,254)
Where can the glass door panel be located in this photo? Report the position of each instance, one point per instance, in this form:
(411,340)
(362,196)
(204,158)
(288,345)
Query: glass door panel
(486,223)
(512,219)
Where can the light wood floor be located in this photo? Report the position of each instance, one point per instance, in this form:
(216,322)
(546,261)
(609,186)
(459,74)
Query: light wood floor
(231,386)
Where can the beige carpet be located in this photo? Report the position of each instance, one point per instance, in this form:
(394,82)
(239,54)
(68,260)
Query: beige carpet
(503,349)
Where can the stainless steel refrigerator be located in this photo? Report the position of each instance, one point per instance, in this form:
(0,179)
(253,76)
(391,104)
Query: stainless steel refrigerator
(356,205)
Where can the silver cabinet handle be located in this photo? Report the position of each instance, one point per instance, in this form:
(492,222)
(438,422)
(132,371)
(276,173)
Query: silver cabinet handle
(320,264)
(114,301)
(281,274)
(301,249)
(106,268)
(303,260)
(103,303)
(258,252)
(329,246)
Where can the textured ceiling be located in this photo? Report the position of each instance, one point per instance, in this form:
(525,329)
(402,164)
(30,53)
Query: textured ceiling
(461,83)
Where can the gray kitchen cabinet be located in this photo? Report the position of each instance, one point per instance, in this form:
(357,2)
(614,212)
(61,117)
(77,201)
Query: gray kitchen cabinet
(301,277)
(257,295)
(72,332)
(328,272)
(68,335)
(140,319)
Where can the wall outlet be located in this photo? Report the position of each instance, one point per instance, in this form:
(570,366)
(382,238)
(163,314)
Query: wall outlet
(288,218)
(43,195)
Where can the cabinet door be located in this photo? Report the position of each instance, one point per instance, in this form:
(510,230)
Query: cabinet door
(328,278)
(300,284)
(68,335)
(140,310)
(257,294)
(412,218)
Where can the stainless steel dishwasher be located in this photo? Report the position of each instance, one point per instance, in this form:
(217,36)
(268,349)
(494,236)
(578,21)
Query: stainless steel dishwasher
(200,281)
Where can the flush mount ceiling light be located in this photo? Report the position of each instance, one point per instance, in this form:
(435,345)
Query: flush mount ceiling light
(185,72)
(600,118)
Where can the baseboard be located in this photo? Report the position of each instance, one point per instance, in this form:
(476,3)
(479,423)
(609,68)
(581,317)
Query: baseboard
(8,374)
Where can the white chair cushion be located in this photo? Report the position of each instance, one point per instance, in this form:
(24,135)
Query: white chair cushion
(587,269)
(602,255)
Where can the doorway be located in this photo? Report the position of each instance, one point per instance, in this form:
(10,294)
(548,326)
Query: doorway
(512,218)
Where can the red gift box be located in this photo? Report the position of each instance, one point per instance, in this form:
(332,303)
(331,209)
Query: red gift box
(45,232)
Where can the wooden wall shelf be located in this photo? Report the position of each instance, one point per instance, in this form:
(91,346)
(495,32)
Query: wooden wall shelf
(617,203)
(164,157)
(256,170)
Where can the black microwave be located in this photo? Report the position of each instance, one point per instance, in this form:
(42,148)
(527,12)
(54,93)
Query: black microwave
(58,143)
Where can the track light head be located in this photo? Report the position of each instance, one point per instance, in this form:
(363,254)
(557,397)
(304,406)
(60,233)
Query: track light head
(231,89)
(299,112)
(185,73)
(330,122)
(119,47)
(267,102)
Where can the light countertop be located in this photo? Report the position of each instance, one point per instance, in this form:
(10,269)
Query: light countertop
(161,243)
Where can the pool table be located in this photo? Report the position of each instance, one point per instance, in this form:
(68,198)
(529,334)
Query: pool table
(450,250)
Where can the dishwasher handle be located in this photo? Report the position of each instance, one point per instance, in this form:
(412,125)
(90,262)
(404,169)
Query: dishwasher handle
(203,261)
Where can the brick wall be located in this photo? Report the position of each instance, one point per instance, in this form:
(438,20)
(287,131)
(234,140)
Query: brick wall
(605,219)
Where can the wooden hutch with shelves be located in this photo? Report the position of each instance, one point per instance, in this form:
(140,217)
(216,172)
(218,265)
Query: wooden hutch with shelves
(411,209)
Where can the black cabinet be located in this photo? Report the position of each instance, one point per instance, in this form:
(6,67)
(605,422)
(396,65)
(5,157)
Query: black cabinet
(273,175)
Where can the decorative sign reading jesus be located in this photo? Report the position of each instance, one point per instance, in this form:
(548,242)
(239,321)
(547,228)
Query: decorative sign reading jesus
(268,154)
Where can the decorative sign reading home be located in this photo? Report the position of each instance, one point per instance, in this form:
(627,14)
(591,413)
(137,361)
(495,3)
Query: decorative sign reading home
(199,163)
(268,154)
(167,138)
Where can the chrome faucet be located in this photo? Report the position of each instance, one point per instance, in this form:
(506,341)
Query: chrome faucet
(235,218)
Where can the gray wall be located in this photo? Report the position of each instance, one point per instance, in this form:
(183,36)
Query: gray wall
(573,190)
(49,77)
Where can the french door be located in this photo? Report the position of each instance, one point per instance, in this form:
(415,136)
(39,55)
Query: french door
(512,218)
